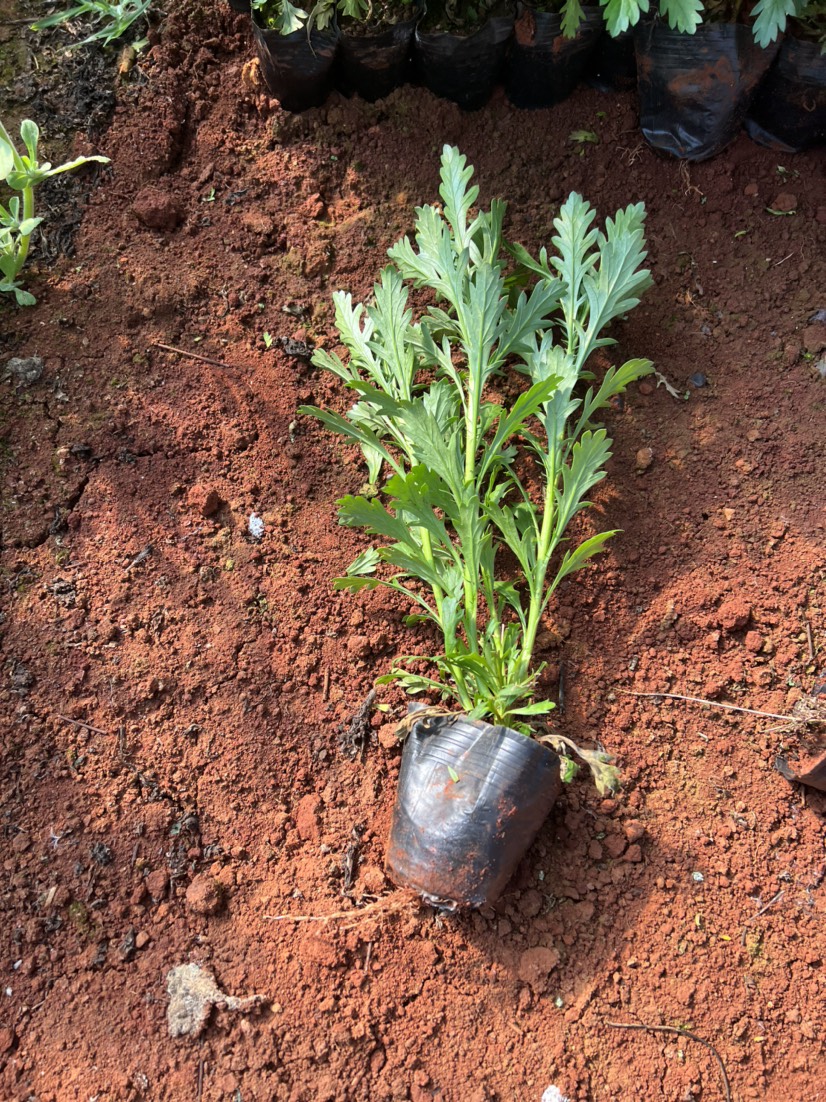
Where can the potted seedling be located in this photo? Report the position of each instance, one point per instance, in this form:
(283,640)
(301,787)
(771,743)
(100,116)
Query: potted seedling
(695,88)
(375,45)
(459,48)
(550,48)
(480,483)
(22,172)
(789,112)
(296,45)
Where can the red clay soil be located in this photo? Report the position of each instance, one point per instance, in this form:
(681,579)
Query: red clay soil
(177,698)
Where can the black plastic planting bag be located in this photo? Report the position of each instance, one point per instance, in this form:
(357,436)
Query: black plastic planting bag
(297,67)
(789,111)
(463,68)
(470,801)
(543,66)
(373,65)
(695,90)
(612,66)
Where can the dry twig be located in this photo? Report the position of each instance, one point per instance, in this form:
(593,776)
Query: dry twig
(680,1033)
(399,902)
(85,726)
(711,704)
(192,355)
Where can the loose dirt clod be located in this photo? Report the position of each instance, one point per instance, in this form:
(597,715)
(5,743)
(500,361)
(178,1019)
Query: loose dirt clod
(192,994)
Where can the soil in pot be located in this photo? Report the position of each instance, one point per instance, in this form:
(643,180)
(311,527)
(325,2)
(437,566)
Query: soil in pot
(374,56)
(460,56)
(612,67)
(297,67)
(544,66)
(695,90)
(471,799)
(789,111)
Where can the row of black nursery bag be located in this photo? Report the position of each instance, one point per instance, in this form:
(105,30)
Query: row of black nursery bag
(695,91)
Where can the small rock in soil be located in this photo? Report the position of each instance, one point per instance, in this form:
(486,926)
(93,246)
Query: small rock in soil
(698,380)
(387,736)
(553,1094)
(156,884)
(786,201)
(192,993)
(207,502)
(307,821)
(205,896)
(20,843)
(157,209)
(634,830)
(614,845)
(127,946)
(26,370)
(754,642)
(358,646)
(643,459)
(7,1039)
(734,614)
(645,388)
(536,964)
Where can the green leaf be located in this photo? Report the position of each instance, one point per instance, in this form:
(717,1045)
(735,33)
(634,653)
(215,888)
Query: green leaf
(30,134)
(573,560)
(538,708)
(622,14)
(454,776)
(457,197)
(582,137)
(357,432)
(572,16)
(770,18)
(359,512)
(683,15)
(588,458)
(6,159)
(287,18)
(365,563)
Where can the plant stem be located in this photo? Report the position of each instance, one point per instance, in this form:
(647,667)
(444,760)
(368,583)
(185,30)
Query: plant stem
(543,558)
(28,212)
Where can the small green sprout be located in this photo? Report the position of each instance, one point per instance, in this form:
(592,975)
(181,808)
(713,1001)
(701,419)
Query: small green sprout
(268,339)
(22,172)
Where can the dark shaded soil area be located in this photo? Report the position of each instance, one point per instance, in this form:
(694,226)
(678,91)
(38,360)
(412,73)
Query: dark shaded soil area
(174,696)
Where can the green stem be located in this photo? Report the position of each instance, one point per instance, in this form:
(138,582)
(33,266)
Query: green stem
(543,558)
(28,212)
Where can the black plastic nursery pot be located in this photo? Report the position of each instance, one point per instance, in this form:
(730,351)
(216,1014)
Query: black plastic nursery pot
(463,68)
(470,801)
(240,5)
(789,111)
(297,67)
(544,67)
(612,67)
(695,89)
(372,65)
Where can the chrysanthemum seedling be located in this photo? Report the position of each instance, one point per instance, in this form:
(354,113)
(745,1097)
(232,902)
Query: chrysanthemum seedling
(469,476)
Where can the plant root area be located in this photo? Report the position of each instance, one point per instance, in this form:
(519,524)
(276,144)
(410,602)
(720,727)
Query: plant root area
(186,754)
